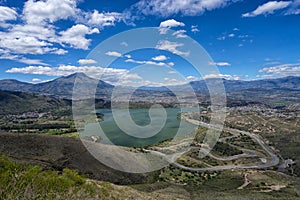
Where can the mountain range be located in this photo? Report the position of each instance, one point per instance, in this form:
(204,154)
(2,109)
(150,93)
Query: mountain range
(62,87)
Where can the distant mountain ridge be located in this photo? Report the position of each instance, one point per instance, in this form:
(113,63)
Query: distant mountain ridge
(290,83)
(62,87)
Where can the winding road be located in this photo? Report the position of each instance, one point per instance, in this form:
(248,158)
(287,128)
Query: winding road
(272,161)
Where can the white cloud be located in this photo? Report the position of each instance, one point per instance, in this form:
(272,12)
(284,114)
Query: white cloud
(160,58)
(24,45)
(113,53)
(60,51)
(221,38)
(171,64)
(225,36)
(21,59)
(294,8)
(31,61)
(180,34)
(222,76)
(150,62)
(7,14)
(268,8)
(281,70)
(37,80)
(110,75)
(166,25)
(87,61)
(220,64)
(103,19)
(75,36)
(171,23)
(41,12)
(172,47)
(244,36)
(127,56)
(194,28)
(30,39)
(185,7)
(192,78)
(37,33)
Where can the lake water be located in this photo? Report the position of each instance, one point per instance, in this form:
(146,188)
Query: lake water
(113,134)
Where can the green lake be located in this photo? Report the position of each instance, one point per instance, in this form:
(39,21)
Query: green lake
(111,133)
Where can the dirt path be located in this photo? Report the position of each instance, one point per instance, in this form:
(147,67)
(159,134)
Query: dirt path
(246,183)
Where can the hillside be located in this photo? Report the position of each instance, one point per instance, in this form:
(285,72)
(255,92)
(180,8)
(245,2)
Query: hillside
(57,153)
(20,102)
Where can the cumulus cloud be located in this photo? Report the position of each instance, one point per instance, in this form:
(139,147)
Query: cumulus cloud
(172,47)
(111,75)
(103,19)
(75,36)
(24,45)
(87,61)
(113,53)
(7,14)
(37,12)
(280,71)
(37,33)
(268,8)
(185,7)
(170,23)
(107,74)
(160,58)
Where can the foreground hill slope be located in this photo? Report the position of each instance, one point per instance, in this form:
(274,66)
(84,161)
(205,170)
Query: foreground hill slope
(57,152)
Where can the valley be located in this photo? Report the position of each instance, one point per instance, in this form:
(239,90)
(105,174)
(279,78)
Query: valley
(255,157)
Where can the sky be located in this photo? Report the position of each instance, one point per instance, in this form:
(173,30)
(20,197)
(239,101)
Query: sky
(239,40)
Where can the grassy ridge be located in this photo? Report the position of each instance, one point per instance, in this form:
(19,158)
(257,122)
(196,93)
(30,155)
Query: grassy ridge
(31,182)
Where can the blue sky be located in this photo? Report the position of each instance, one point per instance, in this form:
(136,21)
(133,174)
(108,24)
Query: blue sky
(41,40)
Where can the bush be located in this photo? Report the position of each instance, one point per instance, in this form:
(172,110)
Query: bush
(32,182)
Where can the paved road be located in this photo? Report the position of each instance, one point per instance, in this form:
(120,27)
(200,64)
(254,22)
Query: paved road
(273,161)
